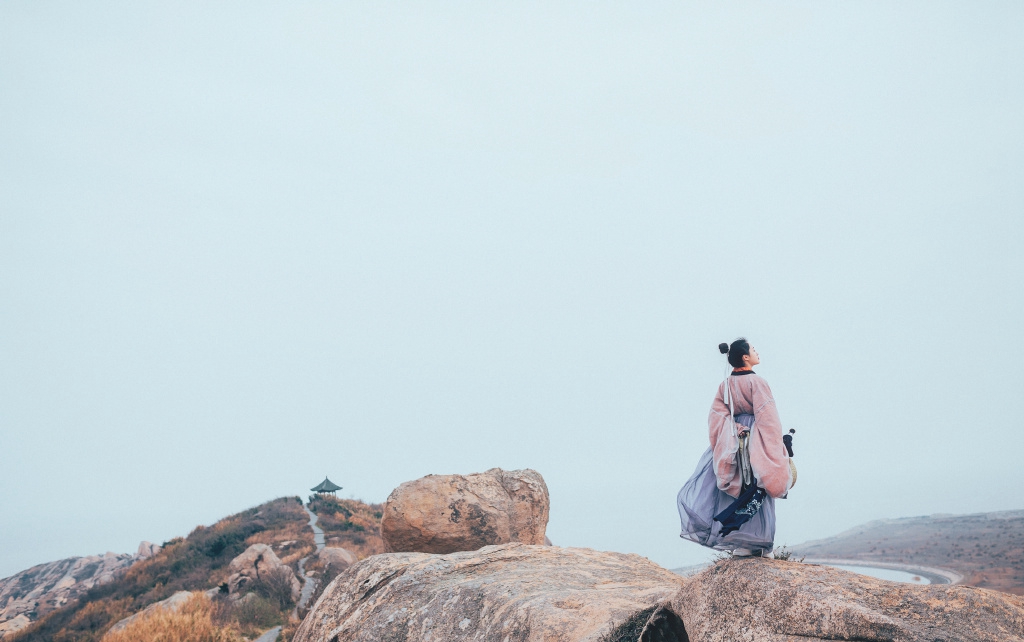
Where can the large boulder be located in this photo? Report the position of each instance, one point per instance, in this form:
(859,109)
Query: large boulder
(449,513)
(512,592)
(259,563)
(774,601)
(337,557)
(519,593)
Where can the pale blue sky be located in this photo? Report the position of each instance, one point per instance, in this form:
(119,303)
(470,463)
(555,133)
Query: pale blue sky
(245,245)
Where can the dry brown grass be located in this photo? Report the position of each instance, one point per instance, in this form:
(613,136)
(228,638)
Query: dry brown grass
(291,531)
(193,623)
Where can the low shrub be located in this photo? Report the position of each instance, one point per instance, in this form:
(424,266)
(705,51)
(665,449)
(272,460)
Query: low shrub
(256,612)
(276,586)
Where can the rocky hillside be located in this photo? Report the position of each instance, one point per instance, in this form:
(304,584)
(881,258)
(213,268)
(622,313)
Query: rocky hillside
(198,562)
(211,559)
(987,549)
(33,593)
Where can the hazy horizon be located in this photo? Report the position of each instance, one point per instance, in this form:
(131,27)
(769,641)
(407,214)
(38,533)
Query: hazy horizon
(245,246)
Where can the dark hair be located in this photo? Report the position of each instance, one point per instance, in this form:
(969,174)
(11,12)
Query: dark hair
(739,348)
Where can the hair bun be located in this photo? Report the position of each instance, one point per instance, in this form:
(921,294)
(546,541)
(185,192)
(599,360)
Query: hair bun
(723,348)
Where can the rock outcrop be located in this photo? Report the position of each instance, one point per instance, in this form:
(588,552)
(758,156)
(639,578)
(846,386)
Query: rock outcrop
(338,558)
(147,550)
(259,563)
(450,513)
(15,624)
(32,593)
(511,592)
(173,604)
(774,601)
(519,593)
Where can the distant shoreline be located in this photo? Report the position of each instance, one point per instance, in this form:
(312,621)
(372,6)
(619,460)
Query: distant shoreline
(934,575)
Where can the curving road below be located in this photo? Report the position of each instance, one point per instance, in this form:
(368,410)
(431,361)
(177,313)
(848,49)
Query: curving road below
(930,573)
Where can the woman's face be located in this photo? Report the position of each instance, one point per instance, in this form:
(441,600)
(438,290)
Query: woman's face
(752,359)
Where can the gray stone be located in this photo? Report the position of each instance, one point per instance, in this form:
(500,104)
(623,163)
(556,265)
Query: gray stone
(147,550)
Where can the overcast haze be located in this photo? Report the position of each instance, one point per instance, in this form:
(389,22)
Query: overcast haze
(247,245)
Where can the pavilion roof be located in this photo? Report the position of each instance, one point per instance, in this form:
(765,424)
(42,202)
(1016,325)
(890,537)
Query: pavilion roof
(326,486)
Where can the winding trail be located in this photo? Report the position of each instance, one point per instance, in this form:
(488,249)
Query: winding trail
(308,583)
(269,636)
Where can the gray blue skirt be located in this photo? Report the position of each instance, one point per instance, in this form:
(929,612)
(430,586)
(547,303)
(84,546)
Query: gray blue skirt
(700,500)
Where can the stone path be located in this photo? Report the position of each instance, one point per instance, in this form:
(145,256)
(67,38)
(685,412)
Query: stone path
(318,533)
(308,582)
(269,636)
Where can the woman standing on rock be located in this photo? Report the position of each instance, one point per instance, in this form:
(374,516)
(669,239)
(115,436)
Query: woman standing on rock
(729,502)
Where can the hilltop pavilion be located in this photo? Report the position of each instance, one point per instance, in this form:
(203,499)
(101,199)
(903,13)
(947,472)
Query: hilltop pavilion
(326,487)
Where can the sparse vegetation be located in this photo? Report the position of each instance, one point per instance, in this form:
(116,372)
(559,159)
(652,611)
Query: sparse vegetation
(193,623)
(275,586)
(349,523)
(200,561)
(783,553)
(197,562)
(252,614)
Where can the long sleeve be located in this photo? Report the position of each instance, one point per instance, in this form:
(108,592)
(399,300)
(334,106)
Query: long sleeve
(768,458)
(724,445)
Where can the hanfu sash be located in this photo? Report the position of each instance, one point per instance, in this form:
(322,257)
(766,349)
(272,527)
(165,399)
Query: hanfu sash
(751,496)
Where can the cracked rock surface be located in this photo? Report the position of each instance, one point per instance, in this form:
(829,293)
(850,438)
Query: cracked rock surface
(519,593)
(763,600)
(512,592)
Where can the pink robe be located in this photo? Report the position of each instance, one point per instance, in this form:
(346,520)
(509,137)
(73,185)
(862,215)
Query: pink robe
(768,458)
